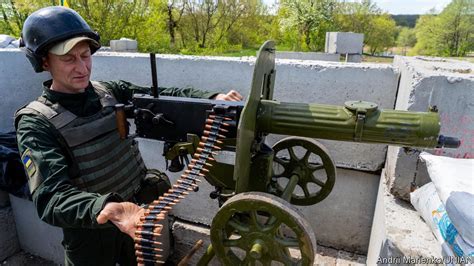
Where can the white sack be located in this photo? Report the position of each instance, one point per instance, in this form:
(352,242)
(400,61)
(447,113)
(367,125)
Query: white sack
(454,181)
(426,201)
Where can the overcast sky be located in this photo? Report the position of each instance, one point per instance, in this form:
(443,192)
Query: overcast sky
(402,6)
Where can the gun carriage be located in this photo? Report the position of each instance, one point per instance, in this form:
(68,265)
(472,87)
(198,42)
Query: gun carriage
(256,221)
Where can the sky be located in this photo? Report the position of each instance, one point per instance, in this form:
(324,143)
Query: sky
(397,7)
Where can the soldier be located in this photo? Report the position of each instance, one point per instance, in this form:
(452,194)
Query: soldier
(82,176)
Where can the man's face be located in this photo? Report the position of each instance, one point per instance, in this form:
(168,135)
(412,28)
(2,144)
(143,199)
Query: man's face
(70,72)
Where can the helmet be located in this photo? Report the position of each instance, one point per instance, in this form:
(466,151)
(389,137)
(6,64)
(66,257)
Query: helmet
(49,26)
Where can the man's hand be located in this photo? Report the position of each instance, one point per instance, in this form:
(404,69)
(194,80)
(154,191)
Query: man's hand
(230,96)
(125,215)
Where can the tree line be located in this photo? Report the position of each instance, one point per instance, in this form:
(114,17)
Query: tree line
(220,26)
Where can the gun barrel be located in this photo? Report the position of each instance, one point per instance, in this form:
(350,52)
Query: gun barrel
(368,124)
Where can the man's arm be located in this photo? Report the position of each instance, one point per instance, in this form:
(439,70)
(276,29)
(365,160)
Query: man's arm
(57,201)
(124,91)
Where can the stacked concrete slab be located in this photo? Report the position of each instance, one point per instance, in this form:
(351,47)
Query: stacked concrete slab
(447,84)
(308,56)
(345,43)
(124,45)
(398,232)
(9,243)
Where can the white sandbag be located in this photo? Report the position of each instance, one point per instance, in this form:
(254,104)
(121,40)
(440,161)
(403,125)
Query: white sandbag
(426,201)
(454,182)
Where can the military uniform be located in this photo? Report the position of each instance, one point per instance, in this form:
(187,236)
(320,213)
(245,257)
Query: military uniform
(65,191)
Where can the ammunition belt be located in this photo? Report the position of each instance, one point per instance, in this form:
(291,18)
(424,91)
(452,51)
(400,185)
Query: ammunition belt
(147,249)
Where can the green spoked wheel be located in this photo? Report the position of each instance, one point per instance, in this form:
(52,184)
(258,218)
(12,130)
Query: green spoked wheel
(310,161)
(256,228)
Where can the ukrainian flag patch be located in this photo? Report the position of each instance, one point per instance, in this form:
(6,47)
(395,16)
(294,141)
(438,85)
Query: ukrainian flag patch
(30,166)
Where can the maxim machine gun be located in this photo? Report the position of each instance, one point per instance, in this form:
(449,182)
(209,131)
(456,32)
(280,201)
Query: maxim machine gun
(256,221)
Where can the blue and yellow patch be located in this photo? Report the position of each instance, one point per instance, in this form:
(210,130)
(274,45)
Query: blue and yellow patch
(29,164)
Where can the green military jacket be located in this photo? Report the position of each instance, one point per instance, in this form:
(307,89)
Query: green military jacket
(57,201)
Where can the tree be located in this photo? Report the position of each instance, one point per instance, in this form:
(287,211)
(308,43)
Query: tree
(406,38)
(448,34)
(309,18)
(13,13)
(457,23)
(113,19)
(382,34)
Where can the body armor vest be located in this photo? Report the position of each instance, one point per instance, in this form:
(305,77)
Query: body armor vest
(104,163)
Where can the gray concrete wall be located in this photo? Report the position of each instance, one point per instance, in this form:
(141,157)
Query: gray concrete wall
(308,56)
(447,84)
(344,219)
(296,81)
(9,243)
(398,232)
(36,236)
(344,43)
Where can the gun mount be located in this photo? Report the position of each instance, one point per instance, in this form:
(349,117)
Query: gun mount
(256,221)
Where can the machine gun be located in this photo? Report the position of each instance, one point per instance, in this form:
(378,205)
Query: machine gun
(256,220)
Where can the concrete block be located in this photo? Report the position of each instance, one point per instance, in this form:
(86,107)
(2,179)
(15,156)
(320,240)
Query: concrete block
(398,231)
(19,85)
(344,43)
(8,239)
(426,82)
(124,45)
(344,219)
(34,235)
(353,58)
(308,56)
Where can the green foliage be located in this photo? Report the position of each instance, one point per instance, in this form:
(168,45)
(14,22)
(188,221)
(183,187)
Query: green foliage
(406,37)
(448,34)
(379,29)
(14,13)
(382,33)
(310,19)
(228,26)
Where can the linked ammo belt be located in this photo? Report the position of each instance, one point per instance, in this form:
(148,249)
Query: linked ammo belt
(147,249)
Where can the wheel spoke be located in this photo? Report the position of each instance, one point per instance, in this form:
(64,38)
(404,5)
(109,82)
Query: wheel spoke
(238,226)
(231,242)
(318,182)
(272,224)
(292,154)
(306,156)
(306,190)
(280,161)
(316,168)
(253,218)
(288,242)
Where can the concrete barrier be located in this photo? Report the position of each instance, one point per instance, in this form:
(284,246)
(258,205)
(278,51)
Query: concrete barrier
(308,56)
(296,81)
(447,84)
(34,235)
(9,243)
(398,233)
(344,43)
